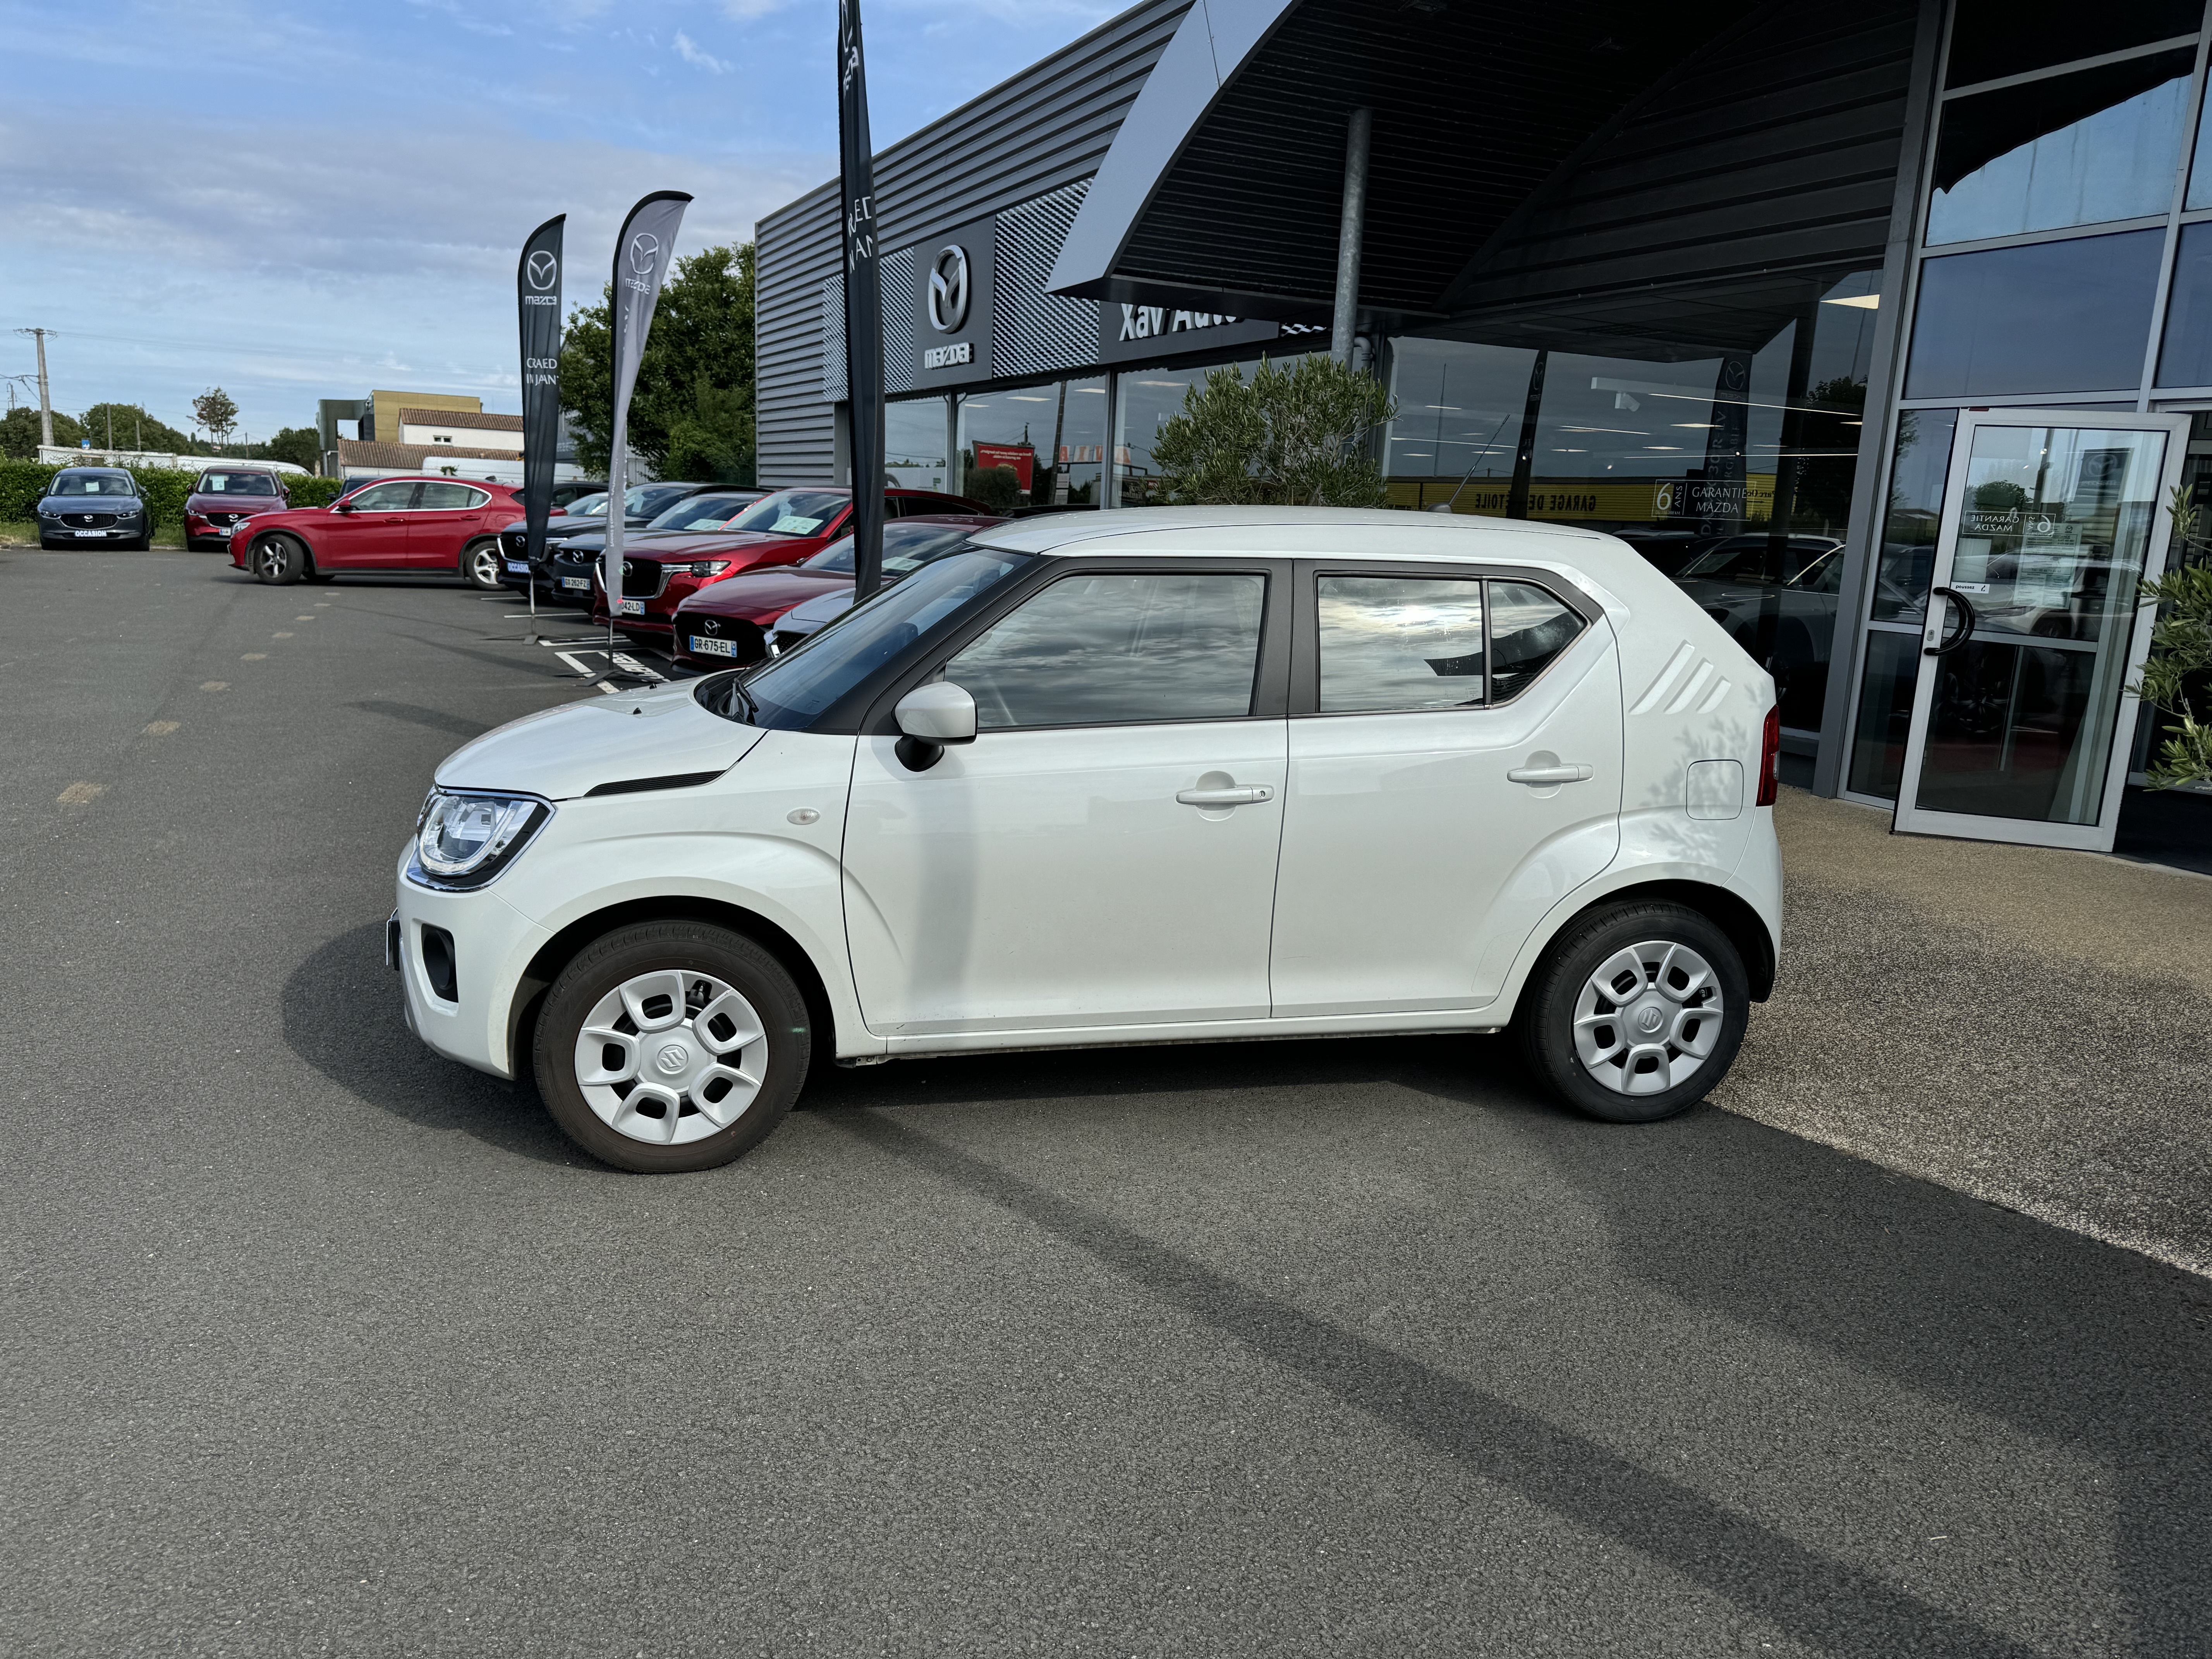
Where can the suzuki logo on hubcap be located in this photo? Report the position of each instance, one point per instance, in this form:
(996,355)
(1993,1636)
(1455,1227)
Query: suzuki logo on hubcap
(1650,1020)
(673,1058)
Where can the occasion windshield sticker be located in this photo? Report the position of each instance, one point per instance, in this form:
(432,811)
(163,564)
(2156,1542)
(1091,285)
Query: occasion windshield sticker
(791,523)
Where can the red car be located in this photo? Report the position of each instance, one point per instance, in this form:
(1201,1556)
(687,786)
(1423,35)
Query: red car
(729,624)
(784,528)
(224,497)
(448,525)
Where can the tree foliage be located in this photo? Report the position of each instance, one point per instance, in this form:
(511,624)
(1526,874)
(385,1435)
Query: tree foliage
(2176,678)
(1294,437)
(692,413)
(302,446)
(19,433)
(214,409)
(134,429)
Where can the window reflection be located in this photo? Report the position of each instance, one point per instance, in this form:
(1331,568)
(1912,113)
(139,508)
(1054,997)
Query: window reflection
(1035,445)
(1114,649)
(1914,514)
(2076,149)
(1990,38)
(1149,398)
(2184,358)
(1459,409)
(913,444)
(2065,316)
(1390,642)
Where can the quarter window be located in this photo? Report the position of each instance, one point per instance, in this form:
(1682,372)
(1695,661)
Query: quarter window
(1528,629)
(1401,642)
(1110,648)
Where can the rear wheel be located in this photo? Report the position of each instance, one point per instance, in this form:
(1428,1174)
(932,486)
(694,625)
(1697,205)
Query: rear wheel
(670,1045)
(1635,1013)
(278,560)
(484,566)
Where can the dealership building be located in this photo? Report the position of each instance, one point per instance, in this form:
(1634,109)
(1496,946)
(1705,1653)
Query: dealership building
(1822,309)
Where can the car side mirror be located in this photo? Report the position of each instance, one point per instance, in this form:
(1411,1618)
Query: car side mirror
(933,717)
(343,506)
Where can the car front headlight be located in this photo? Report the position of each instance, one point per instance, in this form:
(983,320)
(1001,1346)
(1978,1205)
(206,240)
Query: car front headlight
(465,838)
(709,567)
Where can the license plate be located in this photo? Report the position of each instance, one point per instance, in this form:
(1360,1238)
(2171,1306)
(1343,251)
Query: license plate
(223,529)
(708,648)
(581,583)
(630,607)
(89,533)
(517,566)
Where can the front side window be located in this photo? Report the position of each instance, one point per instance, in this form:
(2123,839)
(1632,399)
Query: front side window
(1116,648)
(450,497)
(790,691)
(384,498)
(1400,642)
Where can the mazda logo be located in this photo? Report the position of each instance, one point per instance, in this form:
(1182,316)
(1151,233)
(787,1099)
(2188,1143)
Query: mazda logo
(644,249)
(714,625)
(948,290)
(544,267)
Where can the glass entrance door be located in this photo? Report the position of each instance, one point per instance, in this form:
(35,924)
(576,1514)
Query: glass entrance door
(2034,630)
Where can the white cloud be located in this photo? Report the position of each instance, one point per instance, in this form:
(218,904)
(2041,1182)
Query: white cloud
(689,51)
(746,11)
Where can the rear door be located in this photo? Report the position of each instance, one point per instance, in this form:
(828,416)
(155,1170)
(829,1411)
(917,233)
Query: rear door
(1454,761)
(373,535)
(441,522)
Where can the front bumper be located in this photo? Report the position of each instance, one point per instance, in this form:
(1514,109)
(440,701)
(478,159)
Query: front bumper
(492,944)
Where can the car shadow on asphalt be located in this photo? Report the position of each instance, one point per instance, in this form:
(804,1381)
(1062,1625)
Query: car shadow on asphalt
(342,1015)
(2092,1351)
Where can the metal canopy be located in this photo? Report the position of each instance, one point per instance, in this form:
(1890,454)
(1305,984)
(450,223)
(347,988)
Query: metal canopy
(1222,188)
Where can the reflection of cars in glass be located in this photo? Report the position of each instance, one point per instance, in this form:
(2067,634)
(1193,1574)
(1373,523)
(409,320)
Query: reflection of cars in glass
(784,528)
(1778,603)
(1100,779)
(90,505)
(427,525)
(756,615)
(224,497)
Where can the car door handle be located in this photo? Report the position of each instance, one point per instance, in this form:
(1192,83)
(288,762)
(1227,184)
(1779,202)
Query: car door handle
(1243,795)
(1544,774)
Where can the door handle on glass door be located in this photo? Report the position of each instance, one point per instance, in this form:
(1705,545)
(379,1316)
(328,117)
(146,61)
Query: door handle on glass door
(1547,774)
(1250,795)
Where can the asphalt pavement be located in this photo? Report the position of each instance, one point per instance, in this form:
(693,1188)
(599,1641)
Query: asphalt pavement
(312,1343)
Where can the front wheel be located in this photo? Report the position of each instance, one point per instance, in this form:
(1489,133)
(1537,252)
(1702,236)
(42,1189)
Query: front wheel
(671,1046)
(277,560)
(1635,1013)
(484,565)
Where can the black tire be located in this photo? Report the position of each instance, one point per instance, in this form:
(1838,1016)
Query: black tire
(278,560)
(1550,1004)
(688,947)
(484,566)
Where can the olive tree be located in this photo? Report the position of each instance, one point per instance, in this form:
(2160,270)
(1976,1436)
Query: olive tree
(1287,437)
(2177,676)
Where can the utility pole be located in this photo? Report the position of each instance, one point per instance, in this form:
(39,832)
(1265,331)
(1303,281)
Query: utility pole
(46,398)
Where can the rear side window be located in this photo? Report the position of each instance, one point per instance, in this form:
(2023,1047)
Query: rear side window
(1401,644)
(1119,649)
(1528,629)
(449,496)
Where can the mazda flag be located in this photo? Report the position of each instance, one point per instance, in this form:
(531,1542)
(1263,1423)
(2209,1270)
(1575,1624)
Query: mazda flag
(642,251)
(864,303)
(538,298)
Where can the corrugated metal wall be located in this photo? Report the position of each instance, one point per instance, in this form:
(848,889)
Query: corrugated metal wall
(1043,129)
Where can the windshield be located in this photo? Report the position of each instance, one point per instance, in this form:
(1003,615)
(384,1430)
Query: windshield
(236,483)
(906,547)
(792,511)
(92,483)
(790,691)
(588,507)
(703,513)
(647,501)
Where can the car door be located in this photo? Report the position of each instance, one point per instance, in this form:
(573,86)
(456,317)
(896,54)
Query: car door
(1455,770)
(1103,853)
(442,521)
(373,534)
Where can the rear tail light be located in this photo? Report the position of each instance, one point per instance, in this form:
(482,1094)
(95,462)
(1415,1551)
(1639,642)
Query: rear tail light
(1770,758)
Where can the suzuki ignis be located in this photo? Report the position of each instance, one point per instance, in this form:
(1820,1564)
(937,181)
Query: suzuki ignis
(1131,777)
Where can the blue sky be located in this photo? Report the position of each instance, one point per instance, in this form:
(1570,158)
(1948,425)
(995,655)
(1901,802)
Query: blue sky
(296,202)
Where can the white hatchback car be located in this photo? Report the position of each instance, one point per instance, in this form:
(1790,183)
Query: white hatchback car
(1130,777)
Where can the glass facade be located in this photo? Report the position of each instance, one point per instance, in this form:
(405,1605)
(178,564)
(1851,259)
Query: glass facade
(1034,446)
(2065,311)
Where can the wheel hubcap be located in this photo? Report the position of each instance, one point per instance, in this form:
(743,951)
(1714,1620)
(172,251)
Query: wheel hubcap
(273,559)
(487,567)
(671,1057)
(1648,1017)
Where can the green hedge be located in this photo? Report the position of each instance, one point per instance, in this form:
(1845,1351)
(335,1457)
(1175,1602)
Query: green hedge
(22,482)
